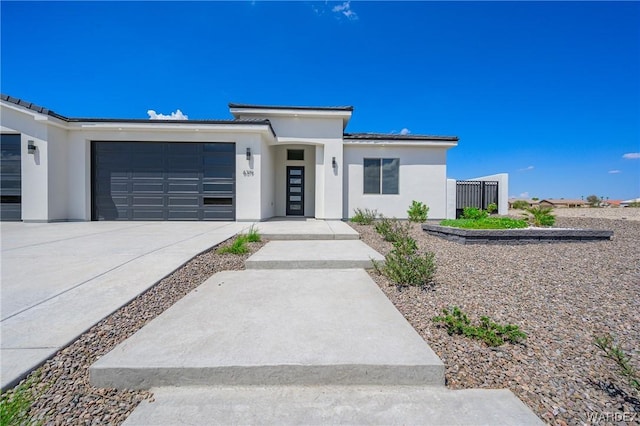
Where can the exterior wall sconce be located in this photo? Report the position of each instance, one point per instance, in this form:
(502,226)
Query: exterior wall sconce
(334,164)
(248,154)
(31,147)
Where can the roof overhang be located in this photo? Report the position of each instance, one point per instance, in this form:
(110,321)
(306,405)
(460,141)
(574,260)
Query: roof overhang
(262,111)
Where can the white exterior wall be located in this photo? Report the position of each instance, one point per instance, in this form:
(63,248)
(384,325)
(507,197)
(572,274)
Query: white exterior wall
(422,177)
(503,190)
(35,173)
(451,199)
(267,181)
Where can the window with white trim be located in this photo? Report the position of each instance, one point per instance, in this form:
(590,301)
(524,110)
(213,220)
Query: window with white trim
(381,175)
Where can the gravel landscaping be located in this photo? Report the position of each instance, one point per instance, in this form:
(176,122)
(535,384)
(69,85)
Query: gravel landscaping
(561,295)
(65,395)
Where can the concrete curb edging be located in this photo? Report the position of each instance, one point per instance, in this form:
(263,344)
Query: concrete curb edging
(516,236)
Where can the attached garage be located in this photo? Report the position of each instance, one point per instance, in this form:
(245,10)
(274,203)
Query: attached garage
(10,178)
(163,181)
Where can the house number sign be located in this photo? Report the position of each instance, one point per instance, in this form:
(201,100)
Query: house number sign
(247,172)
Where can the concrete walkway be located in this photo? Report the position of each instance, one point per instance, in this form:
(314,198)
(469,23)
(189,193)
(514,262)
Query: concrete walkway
(293,346)
(59,279)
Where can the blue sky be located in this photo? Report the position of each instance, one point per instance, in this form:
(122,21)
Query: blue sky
(548,92)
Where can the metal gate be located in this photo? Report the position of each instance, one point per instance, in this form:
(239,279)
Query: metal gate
(475,193)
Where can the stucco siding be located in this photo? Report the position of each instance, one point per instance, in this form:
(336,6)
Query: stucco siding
(422,177)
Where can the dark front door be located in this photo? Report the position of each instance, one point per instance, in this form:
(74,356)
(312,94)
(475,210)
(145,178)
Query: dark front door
(10,178)
(295,191)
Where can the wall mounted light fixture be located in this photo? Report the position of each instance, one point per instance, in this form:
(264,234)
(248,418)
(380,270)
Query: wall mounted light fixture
(334,163)
(248,154)
(31,147)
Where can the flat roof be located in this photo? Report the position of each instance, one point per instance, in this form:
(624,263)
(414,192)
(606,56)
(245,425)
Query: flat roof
(395,136)
(306,108)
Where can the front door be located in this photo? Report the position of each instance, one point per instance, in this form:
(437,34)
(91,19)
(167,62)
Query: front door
(295,191)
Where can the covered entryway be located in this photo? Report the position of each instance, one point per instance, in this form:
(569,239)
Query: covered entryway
(10,178)
(163,181)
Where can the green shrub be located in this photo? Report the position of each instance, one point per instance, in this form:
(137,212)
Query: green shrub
(364,217)
(474,213)
(519,205)
(634,204)
(392,230)
(616,354)
(253,236)
(540,216)
(16,403)
(417,211)
(492,208)
(239,246)
(493,334)
(404,266)
(488,223)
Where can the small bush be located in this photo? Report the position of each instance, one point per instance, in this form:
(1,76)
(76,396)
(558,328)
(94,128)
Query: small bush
(253,236)
(417,212)
(474,213)
(404,266)
(634,204)
(616,354)
(239,246)
(364,217)
(392,230)
(493,334)
(519,205)
(540,216)
(16,403)
(488,223)
(492,208)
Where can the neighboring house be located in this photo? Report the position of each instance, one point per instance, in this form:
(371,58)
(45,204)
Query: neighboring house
(529,201)
(267,161)
(627,203)
(562,203)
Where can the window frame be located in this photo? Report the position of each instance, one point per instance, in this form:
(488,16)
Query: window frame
(381,175)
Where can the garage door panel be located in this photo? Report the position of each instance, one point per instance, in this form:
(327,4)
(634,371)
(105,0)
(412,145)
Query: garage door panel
(10,178)
(162,181)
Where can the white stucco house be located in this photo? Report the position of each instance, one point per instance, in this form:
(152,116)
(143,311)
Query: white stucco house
(268,161)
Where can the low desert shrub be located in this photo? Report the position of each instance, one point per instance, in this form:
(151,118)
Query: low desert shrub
(474,213)
(364,217)
(540,216)
(238,246)
(16,403)
(405,266)
(622,360)
(417,212)
(253,236)
(493,334)
(492,208)
(392,230)
(519,205)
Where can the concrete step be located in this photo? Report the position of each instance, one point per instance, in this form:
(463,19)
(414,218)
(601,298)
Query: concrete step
(275,327)
(306,229)
(321,405)
(313,255)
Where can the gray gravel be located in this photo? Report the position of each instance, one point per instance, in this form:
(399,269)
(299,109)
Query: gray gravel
(65,395)
(561,295)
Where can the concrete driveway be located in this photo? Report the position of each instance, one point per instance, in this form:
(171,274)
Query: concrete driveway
(59,279)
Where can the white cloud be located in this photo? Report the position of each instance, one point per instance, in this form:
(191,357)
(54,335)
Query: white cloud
(631,156)
(614,172)
(524,195)
(526,169)
(405,131)
(178,115)
(345,9)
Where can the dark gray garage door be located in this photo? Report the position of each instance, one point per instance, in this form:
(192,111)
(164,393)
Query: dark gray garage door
(163,181)
(10,178)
